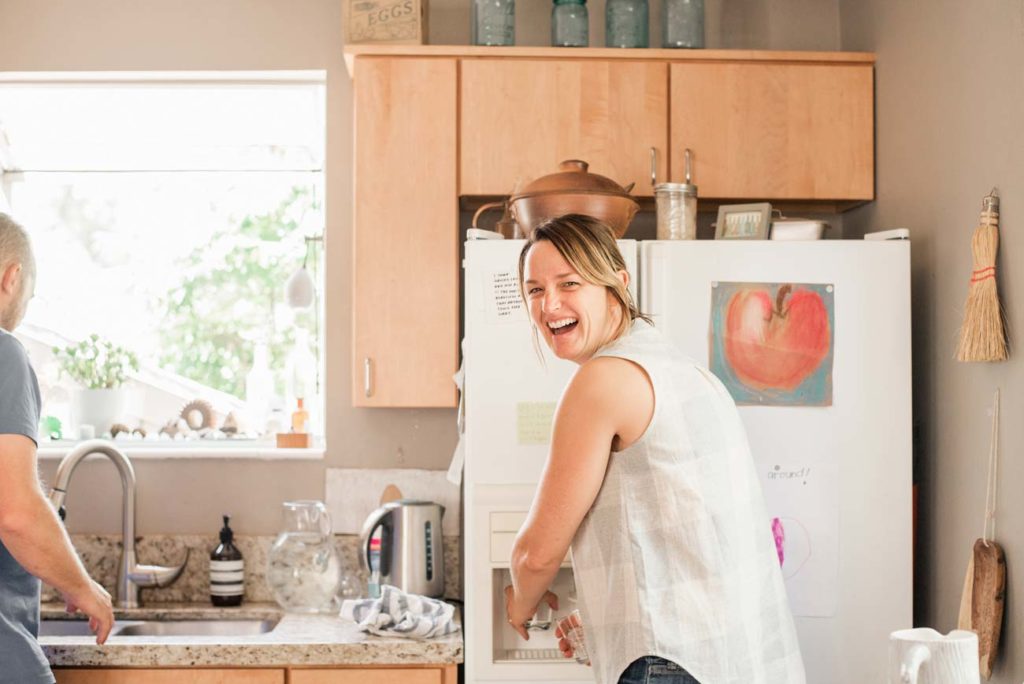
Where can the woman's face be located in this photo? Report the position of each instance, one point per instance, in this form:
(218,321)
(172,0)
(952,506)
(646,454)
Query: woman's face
(576,318)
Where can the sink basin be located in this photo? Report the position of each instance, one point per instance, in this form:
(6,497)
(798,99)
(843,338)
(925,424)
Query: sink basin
(160,627)
(66,628)
(195,627)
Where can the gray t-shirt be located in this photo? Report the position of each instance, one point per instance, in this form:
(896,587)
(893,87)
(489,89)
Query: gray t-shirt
(21,659)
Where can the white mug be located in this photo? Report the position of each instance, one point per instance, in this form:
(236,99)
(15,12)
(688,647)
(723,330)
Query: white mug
(923,656)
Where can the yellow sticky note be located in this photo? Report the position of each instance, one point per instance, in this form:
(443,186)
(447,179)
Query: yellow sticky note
(533,421)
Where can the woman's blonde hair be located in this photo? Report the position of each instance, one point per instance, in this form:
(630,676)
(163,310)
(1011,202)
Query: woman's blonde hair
(589,246)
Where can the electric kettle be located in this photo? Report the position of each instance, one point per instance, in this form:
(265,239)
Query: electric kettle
(411,549)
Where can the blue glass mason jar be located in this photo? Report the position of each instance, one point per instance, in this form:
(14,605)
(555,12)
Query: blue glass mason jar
(493,22)
(626,24)
(570,24)
(682,23)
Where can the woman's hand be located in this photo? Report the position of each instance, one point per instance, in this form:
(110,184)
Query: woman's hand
(563,644)
(517,615)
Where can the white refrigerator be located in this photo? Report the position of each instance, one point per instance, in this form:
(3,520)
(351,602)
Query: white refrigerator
(813,340)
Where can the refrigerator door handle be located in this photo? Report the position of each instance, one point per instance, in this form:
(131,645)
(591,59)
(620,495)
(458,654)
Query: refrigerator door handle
(651,288)
(460,418)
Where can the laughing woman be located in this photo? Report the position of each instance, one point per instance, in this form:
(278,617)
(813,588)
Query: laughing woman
(651,482)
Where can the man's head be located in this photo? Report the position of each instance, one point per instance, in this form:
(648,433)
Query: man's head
(17,272)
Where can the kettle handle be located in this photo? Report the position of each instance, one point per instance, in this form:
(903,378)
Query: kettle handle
(372,523)
(486,207)
(913,659)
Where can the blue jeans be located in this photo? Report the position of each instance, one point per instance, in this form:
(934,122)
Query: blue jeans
(655,670)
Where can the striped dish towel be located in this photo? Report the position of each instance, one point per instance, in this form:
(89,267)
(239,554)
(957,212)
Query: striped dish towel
(397,613)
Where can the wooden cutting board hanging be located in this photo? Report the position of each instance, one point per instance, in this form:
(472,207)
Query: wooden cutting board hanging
(983,599)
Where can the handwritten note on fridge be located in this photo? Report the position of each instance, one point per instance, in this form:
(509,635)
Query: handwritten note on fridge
(504,301)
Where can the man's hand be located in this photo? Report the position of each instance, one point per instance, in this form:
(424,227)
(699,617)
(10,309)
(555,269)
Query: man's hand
(517,617)
(94,601)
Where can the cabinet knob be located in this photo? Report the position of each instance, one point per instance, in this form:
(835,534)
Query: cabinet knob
(368,377)
(654,166)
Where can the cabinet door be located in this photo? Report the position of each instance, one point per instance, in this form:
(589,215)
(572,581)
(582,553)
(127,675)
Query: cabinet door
(374,676)
(406,271)
(168,676)
(520,118)
(775,131)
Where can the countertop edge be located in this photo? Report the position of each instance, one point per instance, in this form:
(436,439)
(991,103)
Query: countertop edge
(249,655)
(296,641)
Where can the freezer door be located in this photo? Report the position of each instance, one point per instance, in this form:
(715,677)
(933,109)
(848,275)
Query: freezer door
(836,475)
(512,382)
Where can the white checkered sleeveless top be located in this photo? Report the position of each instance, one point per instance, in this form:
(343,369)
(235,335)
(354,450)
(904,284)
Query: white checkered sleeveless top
(676,556)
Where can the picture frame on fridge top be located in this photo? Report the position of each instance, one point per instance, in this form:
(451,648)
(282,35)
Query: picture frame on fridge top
(743,221)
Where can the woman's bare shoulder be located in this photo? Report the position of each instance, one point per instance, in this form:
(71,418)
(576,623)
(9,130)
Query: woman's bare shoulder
(610,379)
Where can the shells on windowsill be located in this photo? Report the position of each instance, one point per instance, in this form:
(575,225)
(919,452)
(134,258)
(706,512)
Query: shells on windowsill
(230,426)
(176,428)
(198,414)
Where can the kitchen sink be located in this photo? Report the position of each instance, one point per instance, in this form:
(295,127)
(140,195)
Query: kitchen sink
(49,628)
(196,627)
(160,627)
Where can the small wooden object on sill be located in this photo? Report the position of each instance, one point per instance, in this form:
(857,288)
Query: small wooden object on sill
(293,440)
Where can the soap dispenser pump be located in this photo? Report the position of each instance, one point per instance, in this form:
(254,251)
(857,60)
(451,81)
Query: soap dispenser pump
(227,570)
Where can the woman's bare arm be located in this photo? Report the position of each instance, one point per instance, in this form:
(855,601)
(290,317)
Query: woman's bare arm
(607,397)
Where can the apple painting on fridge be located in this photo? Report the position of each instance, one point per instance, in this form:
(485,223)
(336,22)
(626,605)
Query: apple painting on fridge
(772,343)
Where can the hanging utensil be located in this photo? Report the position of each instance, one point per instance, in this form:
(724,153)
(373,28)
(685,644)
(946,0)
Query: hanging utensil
(984,594)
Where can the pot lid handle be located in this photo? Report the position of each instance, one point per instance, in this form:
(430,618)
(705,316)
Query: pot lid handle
(574,165)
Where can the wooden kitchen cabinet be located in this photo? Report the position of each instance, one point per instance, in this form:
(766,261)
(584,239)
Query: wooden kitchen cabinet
(383,675)
(434,122)
(775,131)
(168,676)
(520,118)
(428,674)
(406,229)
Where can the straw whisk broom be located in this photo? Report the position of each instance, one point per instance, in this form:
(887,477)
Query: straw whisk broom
(983,335)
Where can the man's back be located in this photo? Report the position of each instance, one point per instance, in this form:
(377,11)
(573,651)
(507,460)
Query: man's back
(20,403)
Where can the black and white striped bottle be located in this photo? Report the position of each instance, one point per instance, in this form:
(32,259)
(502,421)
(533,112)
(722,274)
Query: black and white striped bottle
(227,571)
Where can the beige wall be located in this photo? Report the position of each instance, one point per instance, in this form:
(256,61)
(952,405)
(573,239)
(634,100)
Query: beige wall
(113,35)
(950,125)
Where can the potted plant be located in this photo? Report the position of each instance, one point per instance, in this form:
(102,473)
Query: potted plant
(101,368)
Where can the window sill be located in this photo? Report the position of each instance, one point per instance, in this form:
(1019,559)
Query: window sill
(255,450)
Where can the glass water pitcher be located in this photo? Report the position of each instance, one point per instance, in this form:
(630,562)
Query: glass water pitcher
(304,567)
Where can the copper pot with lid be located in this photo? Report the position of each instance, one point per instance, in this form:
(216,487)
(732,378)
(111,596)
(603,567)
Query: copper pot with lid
(574,190)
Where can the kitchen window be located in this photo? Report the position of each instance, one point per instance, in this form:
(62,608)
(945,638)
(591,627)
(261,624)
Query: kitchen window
(167,213)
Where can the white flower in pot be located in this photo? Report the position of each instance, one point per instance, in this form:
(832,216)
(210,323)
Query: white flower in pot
(101,368)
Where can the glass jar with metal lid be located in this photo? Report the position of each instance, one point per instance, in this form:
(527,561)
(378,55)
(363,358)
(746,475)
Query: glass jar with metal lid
(676,207)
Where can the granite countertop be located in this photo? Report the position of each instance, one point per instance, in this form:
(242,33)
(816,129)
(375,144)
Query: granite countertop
(296,640)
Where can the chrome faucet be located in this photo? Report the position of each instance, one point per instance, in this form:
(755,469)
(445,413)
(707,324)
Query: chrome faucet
(131,576)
